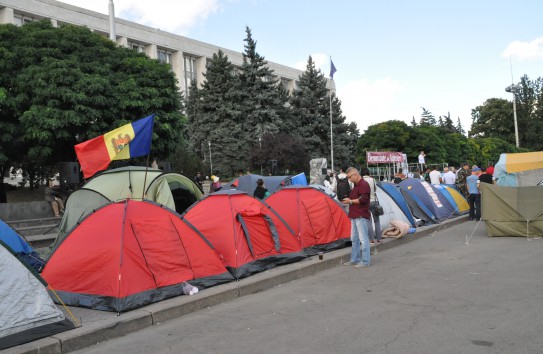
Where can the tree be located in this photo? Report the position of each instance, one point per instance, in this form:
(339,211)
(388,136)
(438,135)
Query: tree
(427,118)
(393,135)
(262,102)
(310,108)
(494,119)
(284,148)
(66,85)
(215,116)
(447,124)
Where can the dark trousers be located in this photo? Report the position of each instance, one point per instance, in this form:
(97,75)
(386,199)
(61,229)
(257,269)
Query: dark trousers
(474,206)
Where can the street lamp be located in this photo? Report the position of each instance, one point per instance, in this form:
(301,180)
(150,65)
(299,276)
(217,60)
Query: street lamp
(260,143)
(514,89)
(210,162)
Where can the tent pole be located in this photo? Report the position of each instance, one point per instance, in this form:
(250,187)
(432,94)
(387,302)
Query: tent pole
(145,178)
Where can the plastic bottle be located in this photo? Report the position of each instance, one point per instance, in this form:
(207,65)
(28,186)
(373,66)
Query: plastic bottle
(189,289)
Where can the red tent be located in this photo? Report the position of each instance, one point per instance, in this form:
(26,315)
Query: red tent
(318,220)
(249,235)
(128,254)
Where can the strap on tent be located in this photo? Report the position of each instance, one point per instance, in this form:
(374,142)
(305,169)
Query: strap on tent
(274,233)
(246,232)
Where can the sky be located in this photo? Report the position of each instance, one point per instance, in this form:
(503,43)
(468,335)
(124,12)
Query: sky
(392,57)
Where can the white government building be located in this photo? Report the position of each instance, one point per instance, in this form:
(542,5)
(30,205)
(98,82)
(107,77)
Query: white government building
(187,57)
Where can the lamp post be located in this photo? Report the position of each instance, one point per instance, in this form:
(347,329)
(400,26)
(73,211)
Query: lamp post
(514,89)
(260,143)
(210,162)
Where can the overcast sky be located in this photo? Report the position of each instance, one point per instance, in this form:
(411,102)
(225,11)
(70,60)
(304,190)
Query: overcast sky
(392,57)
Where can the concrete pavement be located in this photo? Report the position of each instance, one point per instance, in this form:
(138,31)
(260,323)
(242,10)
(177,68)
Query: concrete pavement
(99,326)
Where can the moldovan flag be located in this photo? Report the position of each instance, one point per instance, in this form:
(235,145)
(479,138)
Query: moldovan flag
(130,140)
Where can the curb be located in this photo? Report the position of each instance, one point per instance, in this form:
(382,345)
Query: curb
(156,313)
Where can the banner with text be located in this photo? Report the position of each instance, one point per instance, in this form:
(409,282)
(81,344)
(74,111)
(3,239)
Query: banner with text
(376,157)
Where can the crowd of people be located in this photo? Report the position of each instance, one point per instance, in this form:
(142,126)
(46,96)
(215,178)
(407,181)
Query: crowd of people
(356,190)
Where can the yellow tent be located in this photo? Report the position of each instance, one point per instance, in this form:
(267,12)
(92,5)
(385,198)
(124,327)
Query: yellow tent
(461,202)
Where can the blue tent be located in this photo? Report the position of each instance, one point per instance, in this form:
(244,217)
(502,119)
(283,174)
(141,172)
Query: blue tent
(19,246)
(443,190)
(247,183)
(435,201)
(392,190)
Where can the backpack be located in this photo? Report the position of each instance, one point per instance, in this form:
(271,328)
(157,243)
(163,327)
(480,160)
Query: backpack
(343,188)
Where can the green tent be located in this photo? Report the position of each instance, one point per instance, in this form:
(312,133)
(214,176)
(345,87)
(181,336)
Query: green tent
(172,190)
(512,211)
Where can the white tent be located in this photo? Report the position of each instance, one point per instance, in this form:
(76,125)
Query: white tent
(27,312)
(391,210)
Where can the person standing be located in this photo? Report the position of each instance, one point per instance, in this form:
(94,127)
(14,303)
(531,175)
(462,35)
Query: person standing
(374,233)
(486,177)
(198,179)
(474,197)
(260,192)
(463,173)
(435,176)
(215,184)
(422,161)
(343,187)
(449,178)
(359,213)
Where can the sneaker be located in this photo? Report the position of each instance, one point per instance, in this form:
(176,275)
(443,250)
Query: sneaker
(350,263)
(361,265)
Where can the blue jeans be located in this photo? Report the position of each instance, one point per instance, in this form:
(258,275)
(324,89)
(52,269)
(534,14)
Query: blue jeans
(359,234)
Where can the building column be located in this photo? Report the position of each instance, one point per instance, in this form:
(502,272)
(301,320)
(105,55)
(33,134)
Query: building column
(6,15)
(150,50)
(178,67)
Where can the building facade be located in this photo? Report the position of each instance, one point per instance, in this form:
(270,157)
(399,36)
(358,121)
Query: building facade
(187,57)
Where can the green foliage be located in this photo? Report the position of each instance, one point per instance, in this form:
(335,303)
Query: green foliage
(495,118)
(440,145)
(67,85)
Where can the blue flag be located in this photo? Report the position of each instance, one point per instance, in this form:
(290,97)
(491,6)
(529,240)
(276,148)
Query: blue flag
(332,68)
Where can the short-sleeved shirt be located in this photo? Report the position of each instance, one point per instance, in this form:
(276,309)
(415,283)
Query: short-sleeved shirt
(360,191)
(485,178)
(449,177)
(473,182)
(422,159)
(434,177)
(490,170)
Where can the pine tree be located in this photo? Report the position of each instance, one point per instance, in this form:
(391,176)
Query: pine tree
(459,128)
(261,99)
(215,117)
(448,123)
(427,118)
(413,122)
(310,103)
(310,111)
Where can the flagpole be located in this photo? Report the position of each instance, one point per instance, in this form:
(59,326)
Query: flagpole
(331,129)
(332,71)
(145,177)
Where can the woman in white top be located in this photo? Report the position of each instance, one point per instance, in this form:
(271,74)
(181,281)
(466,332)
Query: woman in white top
(374,233)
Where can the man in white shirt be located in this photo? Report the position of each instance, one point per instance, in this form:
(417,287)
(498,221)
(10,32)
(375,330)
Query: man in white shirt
(435,176)
(422,161)
(449,178)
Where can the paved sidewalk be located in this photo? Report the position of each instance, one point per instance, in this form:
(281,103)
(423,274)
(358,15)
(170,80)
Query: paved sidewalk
(98,326)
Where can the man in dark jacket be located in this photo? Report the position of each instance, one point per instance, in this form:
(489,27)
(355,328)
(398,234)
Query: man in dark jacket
(359,213)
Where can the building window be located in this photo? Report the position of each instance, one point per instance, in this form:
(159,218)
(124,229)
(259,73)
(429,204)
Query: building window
(136,47)
(164,56)
(190,71)
(20,20)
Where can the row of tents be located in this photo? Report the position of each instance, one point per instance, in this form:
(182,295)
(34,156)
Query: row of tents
(131,237)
